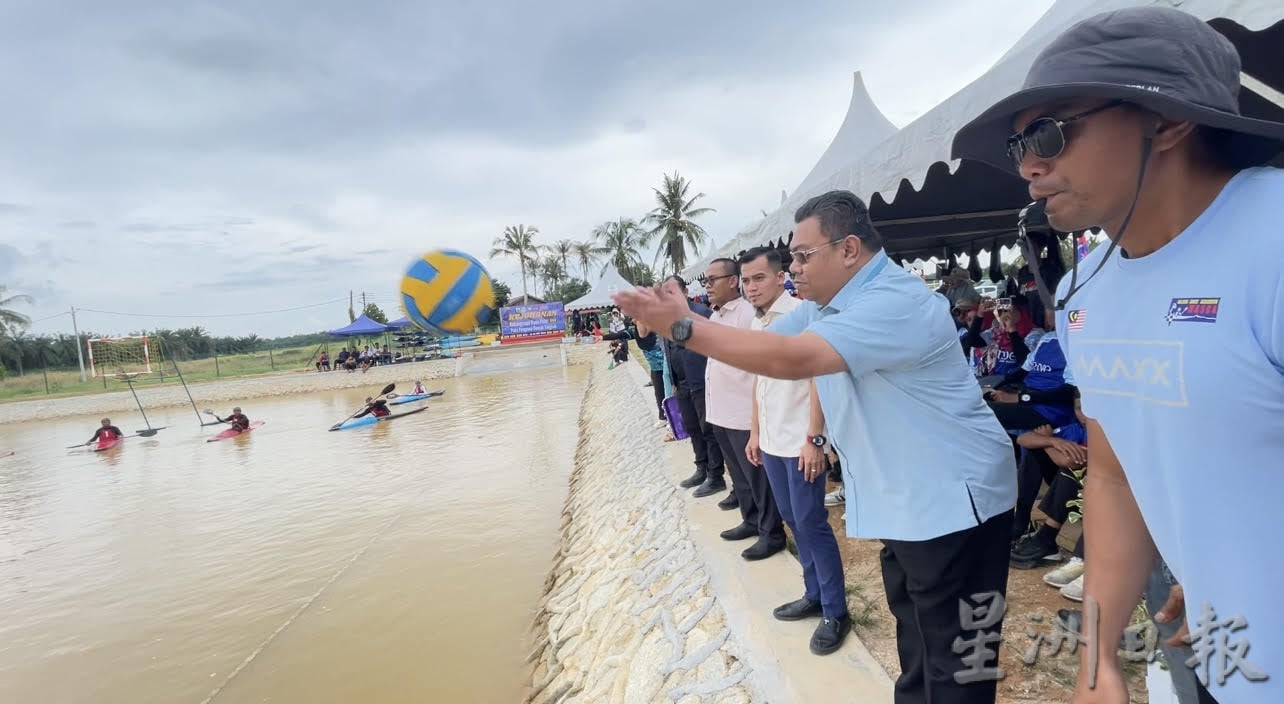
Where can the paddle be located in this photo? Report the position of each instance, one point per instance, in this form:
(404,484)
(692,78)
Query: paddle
(149,432)
(386,390)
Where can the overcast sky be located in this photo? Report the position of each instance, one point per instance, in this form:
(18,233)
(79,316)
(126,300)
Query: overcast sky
(226,157)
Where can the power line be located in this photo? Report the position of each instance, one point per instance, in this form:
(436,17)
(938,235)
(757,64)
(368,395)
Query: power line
(214,315)
(51,317)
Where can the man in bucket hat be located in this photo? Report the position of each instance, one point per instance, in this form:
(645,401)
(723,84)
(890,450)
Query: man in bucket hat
(1130,121)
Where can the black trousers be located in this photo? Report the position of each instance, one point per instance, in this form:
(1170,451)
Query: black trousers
(1034,469)
(928,584)
(753,488)
(1063,489)
(657,385)
(708,455)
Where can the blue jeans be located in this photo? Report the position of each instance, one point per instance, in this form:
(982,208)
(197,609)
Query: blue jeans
(1185,685)
(802,506)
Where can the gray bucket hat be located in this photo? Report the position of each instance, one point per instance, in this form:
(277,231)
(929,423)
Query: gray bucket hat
(1162,59)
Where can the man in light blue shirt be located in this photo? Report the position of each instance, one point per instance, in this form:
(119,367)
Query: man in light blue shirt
(928,467)
(1177,344)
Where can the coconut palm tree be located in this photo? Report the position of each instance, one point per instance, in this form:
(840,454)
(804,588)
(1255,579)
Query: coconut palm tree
(622,240)
(563,249)
(672,223)
(518,241)
(551,273)
(587,253)
(10,318)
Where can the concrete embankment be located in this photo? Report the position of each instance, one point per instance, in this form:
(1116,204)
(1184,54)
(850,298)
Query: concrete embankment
(646,603)
(630,614)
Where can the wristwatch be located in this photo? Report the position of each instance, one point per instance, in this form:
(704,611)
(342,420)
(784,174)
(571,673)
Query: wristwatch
(1025,398)
(817,440)
(680,331)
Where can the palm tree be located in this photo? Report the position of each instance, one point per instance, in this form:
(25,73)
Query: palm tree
(10,318)
(563,249)
(621,239)
(518,241)
(587,253)
(551,273)
(672,223)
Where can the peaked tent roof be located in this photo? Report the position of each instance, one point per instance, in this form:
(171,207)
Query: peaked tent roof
(400,323)
(363,325)
(925,203)
(600,295)
(863,127)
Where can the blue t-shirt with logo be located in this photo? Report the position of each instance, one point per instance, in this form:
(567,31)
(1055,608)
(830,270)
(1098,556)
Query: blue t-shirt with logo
(1179,355)
(1045,370)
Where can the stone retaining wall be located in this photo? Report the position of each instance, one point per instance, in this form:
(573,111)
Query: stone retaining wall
(628,615)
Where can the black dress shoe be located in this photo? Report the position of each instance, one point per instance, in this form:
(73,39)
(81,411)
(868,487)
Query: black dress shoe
(797,610)
(830,634)
(730,502)
(761,550)
(711,486)
(694,480)
(740,532)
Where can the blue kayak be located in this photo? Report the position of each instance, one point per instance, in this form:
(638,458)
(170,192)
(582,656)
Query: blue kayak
(371,420)
(411,398)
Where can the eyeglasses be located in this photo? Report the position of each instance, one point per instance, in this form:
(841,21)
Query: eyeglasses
(706,280)
(802,255)
(1045,137)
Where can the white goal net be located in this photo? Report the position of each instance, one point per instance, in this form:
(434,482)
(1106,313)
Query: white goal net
(123,357)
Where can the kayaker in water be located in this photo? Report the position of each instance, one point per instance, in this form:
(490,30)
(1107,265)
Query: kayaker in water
(238,420)
(418,390)
(106,431)
(378,409)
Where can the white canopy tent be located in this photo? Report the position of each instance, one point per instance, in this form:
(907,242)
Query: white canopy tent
(919,200)
(863,126)
(600,295)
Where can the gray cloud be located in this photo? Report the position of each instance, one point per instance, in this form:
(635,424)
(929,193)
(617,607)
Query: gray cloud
(246,156)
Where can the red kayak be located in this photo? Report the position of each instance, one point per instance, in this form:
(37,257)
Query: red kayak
(107,443)
(232,432)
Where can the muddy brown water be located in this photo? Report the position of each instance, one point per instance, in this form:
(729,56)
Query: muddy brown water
(395,563)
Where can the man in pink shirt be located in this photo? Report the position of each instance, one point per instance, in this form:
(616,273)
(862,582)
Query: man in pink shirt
(729,409)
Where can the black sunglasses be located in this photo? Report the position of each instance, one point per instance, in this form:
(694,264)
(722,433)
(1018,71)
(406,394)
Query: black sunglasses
(706,280)
(1045,137)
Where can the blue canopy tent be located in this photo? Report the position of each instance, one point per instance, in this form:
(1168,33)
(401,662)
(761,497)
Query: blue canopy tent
(401,323)
(363,325)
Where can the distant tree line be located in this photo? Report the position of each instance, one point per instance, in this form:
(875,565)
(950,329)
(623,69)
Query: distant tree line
(20,352)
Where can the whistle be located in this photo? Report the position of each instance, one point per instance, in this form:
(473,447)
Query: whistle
(1033,215)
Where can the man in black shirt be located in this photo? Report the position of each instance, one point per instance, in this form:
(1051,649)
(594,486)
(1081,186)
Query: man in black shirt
(687,369)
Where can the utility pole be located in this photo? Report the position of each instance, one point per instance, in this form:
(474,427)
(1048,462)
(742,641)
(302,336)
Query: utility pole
(80,354)
(364,305)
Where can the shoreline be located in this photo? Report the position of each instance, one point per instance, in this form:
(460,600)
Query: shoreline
(234,390)
(645,603)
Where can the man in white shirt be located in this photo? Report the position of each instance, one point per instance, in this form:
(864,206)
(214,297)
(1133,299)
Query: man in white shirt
(787,440)
(729,405)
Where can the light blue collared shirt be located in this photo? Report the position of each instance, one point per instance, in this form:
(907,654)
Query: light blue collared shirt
(923,455)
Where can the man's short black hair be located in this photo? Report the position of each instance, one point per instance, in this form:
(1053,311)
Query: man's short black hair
(774,260)
(733,267)
(841,214)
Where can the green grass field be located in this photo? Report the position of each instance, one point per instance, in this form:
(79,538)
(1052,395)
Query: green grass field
(66,382)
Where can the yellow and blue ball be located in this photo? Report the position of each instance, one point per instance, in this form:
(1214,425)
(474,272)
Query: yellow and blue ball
(448,290)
